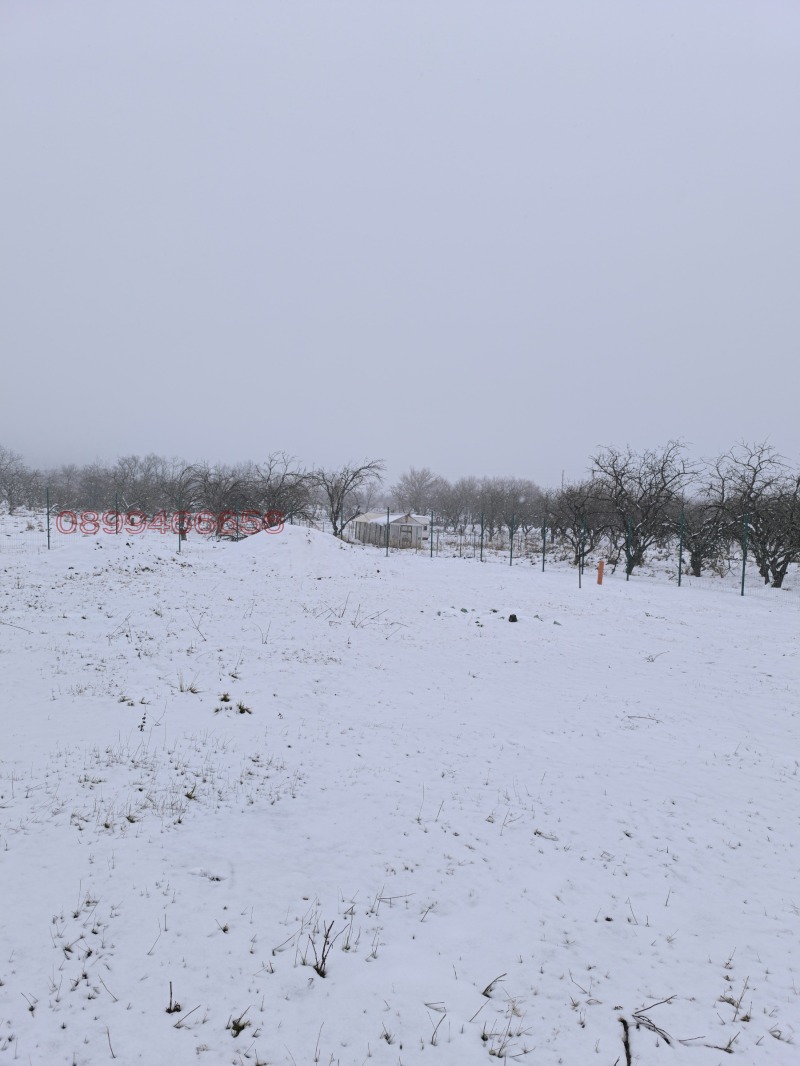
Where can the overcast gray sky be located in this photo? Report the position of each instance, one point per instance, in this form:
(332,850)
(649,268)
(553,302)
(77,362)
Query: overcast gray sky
(485,237)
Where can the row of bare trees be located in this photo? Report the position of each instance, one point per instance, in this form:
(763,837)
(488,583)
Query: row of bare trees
(747,499)
(501,501)
(152,483)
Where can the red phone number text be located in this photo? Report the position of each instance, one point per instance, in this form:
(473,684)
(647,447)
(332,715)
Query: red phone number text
(206,523)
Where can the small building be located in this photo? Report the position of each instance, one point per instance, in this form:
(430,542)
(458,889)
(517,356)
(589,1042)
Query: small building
(405,530)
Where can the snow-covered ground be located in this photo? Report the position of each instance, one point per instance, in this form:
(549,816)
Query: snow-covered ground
(293,802)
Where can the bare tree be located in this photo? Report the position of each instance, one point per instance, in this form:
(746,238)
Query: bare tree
(756,493)
(174,480)
(417,490)
(522,504)
(704,535)
(345,491)
(65,483)
(34,489)
(95,487)
(220,489)
(576,516)
(492,500)
(638,491)
(457,504)
(281,484)
(12,478)
(783,547)
(144,482)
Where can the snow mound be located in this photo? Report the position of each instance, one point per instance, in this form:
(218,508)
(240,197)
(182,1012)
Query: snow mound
(298,549)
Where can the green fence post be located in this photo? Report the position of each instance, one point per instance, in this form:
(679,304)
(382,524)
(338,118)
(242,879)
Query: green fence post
(47,500)
(744,548)
(680,550)
(544,540)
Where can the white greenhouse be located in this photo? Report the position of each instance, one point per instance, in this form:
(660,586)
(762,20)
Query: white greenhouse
(405,530)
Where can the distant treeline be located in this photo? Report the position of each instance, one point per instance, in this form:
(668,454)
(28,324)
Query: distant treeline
(747,499)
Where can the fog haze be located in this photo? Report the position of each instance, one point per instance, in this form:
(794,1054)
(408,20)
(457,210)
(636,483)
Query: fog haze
(480,237)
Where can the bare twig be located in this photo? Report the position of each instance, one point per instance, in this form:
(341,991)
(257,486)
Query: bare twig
(435,1028)
(642,1010)
(626,1041)
(641,1019)
(489,988)
(477,1012)
(180,1021)
(150,952)
(105,986)
(321,959)
(196,626)
(739,1000)
(576,984)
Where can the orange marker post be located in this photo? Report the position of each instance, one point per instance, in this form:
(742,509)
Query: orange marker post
(600,567)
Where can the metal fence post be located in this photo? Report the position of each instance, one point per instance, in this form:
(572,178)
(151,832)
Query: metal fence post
(680,551)
(481,536)
(387,531)
(744,548)
(511,542)
(47,499)
(430,534)
(544,539)
(628,538)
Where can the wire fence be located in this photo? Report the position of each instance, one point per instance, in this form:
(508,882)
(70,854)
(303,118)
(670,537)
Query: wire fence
(34,533)
(732,574)
(24,534)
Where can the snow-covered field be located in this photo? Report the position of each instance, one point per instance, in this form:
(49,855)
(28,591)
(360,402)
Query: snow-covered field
(293,802)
